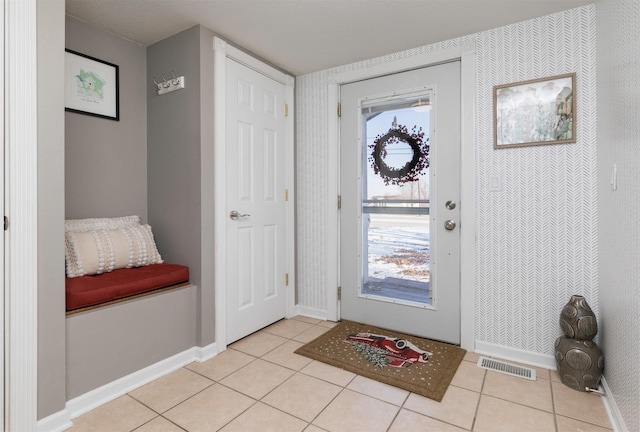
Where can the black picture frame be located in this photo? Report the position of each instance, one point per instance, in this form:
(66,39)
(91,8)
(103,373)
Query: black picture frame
(92,86)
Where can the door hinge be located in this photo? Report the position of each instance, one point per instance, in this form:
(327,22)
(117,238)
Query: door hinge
(339,109)
(339,202)
(286,110)
(339,293)
(286,279)
(6,223)
(286,194)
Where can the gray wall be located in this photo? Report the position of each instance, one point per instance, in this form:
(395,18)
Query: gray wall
(106,160)
(109,343)
(51,298)
(618,29)
(180,132)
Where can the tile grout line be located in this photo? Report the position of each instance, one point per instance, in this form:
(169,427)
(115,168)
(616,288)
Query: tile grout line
(475,415)
(553,404)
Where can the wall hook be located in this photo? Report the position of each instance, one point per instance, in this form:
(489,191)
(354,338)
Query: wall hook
(176,83)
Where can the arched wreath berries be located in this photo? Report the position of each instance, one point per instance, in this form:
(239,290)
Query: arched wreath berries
(412,169)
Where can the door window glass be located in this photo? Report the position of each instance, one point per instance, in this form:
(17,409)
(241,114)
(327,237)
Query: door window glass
(396,188)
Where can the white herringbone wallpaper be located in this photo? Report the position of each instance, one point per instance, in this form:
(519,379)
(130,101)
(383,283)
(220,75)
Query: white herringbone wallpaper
(537,236)
(618,29)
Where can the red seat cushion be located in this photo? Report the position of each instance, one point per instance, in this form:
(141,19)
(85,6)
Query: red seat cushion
(92,290)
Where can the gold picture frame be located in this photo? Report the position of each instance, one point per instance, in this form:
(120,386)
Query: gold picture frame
(535,112)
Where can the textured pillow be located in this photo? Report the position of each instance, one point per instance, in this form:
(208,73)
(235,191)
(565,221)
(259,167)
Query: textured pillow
(80,225)
(100,251)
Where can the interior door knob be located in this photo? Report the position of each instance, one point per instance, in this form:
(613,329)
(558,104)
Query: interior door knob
(234,215)
(449,225)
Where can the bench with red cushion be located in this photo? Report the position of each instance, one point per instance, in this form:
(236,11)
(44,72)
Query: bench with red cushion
(90,291)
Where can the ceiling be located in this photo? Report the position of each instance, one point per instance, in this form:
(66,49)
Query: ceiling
(303,36)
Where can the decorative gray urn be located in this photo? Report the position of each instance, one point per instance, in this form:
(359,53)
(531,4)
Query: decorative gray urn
(580,362)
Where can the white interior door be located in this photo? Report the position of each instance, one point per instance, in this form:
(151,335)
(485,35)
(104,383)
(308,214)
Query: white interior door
(256,208)
(400,219)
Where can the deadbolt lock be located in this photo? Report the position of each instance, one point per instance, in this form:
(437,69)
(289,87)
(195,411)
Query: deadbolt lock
(449,225)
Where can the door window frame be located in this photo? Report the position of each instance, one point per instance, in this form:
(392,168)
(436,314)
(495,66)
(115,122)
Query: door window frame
(466,53)
(383,103)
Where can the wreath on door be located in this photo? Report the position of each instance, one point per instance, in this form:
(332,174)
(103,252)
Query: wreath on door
(413,168)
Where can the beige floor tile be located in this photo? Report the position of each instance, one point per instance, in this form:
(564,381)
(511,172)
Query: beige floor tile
(328,324)
(288,328)
(566,424)
(469,376)
(536,394)
(284,356)
(258,344)
(159,424)
(555,376)
(263,418)
(458,406)
(222,365)
(257,378)
(302,396)
(311,334)
(171,389)
(351,411)
(541,373)
(587,407)
(471,357)
(123,414)
(307,319)
(497,415)
(209,410)
(314,428)
(329,373)
(409,421)
(378,390)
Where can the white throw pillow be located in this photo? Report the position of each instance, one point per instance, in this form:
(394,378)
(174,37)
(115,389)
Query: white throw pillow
(101,250)
(80,225)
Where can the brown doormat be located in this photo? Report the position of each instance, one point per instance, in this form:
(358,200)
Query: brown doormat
(419,365)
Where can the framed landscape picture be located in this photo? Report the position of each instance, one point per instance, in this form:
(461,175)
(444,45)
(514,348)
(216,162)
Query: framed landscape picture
(91,86)
(535,112)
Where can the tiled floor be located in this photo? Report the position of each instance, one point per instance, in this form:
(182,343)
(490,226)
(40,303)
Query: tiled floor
(258,384)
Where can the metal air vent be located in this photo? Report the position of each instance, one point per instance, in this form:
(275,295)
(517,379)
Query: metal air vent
(507,368)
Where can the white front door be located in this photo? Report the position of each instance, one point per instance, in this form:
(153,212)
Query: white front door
(255,205)
(400,214)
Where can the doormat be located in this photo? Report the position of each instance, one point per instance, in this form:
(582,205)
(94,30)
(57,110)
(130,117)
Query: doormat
(419,365)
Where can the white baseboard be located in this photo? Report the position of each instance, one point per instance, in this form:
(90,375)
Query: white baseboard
(521,356)
(57,422)
(615,417)
(311,312)
(61,420)
(94,398)
(206,353)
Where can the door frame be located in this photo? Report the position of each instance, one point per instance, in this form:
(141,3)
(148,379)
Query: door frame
(20,199)
(221,52)
(467,55)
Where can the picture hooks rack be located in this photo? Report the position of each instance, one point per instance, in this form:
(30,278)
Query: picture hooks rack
(167,86)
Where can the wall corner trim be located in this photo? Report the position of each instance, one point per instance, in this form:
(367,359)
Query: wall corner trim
(202,354)
(615,416)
